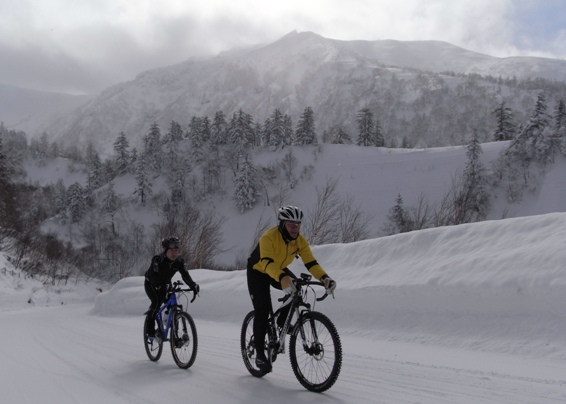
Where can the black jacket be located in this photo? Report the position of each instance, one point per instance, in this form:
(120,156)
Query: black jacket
(161,270)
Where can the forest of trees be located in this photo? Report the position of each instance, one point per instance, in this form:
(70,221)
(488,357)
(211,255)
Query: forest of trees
(197,160)
(520,169)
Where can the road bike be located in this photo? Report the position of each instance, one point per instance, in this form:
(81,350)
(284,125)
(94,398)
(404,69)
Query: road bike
(315,350)
(173,324)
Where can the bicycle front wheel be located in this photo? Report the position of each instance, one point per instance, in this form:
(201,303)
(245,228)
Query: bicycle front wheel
(153,346)
(184,340)
(315,352)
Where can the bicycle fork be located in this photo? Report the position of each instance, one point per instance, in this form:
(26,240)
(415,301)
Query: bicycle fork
(316,348)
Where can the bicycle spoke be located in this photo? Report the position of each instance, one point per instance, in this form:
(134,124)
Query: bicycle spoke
(316,360)
(183,340)
(153,346)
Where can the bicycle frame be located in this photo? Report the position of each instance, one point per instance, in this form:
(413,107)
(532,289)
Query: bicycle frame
(171,304)
(168,306)
(297,307)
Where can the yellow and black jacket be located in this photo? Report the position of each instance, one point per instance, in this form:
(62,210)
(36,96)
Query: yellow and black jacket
(272,255)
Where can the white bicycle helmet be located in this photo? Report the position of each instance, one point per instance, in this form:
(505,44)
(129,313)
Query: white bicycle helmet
(290,213)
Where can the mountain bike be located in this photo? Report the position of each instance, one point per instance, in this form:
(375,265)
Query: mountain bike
(315,350)
(173,324)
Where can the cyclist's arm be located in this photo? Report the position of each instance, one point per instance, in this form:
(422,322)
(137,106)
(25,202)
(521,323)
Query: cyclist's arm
(185,275)
(309,260)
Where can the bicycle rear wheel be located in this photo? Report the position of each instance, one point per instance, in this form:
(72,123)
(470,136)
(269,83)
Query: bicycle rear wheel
(248,347)
(153,346)
(184,340)
(316,360)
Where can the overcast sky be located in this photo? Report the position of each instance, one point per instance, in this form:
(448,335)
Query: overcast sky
(84,46)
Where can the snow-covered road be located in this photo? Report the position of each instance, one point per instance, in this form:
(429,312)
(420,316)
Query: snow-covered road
(466,314)
(68,355)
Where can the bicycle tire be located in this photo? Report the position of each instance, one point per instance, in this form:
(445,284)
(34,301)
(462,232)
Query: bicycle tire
(317,362)
(153,346)
(183,339)
(247,345)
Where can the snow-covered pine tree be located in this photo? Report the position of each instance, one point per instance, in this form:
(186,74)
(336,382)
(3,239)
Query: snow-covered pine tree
(241,131)
(366,129)
(537,133)
(505,129)
(560,116)
(559,135)
(305,133)
(133,161)
(122,154)
(288,133)
(94,176)
(55,150)
(289,165)
(61,197)
(175,133)
(531,145)
(475,200)
(76,204)
(152,151)
(39,149)
(265,133)
(110,200)
(6,196)
(274,128)
(248,125)
(247,187)
(171,143)
(110,205)
(219,129)
(143,183)
(379,140)
(196,137)
(258,133)
(4,174)
(212,173)
(398,220)
(178,188)
(340,136)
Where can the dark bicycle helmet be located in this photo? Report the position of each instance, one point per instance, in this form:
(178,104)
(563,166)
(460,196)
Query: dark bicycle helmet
(170,243)
(290,213)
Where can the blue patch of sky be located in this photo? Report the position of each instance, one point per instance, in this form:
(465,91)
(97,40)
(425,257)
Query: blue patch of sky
(539,22)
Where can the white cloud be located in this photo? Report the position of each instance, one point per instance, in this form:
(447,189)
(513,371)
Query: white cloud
(116,39)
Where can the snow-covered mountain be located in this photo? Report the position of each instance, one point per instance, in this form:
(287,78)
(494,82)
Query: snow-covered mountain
(27,110)
(400,81)
(438,56)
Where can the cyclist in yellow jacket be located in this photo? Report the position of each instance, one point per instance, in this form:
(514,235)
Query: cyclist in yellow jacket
(267,266)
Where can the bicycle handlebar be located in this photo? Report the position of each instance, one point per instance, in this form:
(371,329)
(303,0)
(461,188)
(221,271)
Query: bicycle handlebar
(176,287)
(305,280)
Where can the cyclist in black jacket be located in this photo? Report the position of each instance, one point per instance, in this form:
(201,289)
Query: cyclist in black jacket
(162,269)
